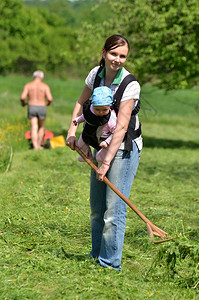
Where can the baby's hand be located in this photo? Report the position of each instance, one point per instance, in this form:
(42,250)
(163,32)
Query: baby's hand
(103,145)
(75,122)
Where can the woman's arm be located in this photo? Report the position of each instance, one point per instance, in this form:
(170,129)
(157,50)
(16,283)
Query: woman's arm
(71,140)
(123,119)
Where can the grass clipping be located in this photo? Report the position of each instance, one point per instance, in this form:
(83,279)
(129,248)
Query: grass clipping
(6,156)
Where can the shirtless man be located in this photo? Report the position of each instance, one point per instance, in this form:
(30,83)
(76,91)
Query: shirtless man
(37,93)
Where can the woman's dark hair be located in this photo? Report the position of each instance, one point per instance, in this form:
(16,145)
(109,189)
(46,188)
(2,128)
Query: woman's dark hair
(112,42)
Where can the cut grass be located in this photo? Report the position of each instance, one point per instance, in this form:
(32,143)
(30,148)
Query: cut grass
(44,224)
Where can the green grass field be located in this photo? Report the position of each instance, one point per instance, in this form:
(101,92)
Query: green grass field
(44,223)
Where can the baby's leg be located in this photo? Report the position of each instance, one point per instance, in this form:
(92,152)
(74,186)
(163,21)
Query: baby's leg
(85,148)
(100,155)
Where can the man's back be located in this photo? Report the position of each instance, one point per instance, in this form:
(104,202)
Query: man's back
(37,92)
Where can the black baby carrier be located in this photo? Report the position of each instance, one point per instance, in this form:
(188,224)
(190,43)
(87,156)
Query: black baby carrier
(92,122)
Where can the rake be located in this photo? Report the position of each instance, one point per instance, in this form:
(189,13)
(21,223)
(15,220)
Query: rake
(151,228)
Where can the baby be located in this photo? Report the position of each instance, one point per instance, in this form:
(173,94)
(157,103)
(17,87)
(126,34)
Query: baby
(100,122)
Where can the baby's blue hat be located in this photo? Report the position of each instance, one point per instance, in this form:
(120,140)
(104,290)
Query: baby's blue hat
(102,96)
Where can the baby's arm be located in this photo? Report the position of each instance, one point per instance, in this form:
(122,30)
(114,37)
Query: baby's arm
(79,120)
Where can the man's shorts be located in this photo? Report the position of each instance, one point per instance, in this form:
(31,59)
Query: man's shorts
(37,111)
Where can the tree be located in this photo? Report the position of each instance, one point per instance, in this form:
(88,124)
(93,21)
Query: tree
(33,38)
(164,36)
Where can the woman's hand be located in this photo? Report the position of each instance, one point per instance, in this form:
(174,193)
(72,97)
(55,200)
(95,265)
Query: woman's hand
(72,142)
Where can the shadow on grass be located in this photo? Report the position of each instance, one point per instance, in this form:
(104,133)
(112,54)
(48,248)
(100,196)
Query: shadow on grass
(153,142)
(78,257)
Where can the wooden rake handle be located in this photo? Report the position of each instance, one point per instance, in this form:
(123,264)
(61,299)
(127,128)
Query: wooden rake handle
(152,229)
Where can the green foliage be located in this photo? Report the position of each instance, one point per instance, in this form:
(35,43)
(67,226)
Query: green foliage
(43,35)
(33,39)
(164,37)
(62,37)
(76,12)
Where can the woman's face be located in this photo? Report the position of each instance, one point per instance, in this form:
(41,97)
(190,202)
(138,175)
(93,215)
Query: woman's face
(115,58)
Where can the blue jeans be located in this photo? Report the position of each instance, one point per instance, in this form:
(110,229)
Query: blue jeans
(108,211)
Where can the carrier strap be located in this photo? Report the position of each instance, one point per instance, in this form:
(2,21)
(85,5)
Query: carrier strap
(118,95)
(97,78)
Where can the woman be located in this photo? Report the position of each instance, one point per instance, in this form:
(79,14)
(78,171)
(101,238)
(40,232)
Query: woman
(108,211)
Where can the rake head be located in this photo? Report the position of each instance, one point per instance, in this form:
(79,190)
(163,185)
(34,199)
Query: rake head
(154,230)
